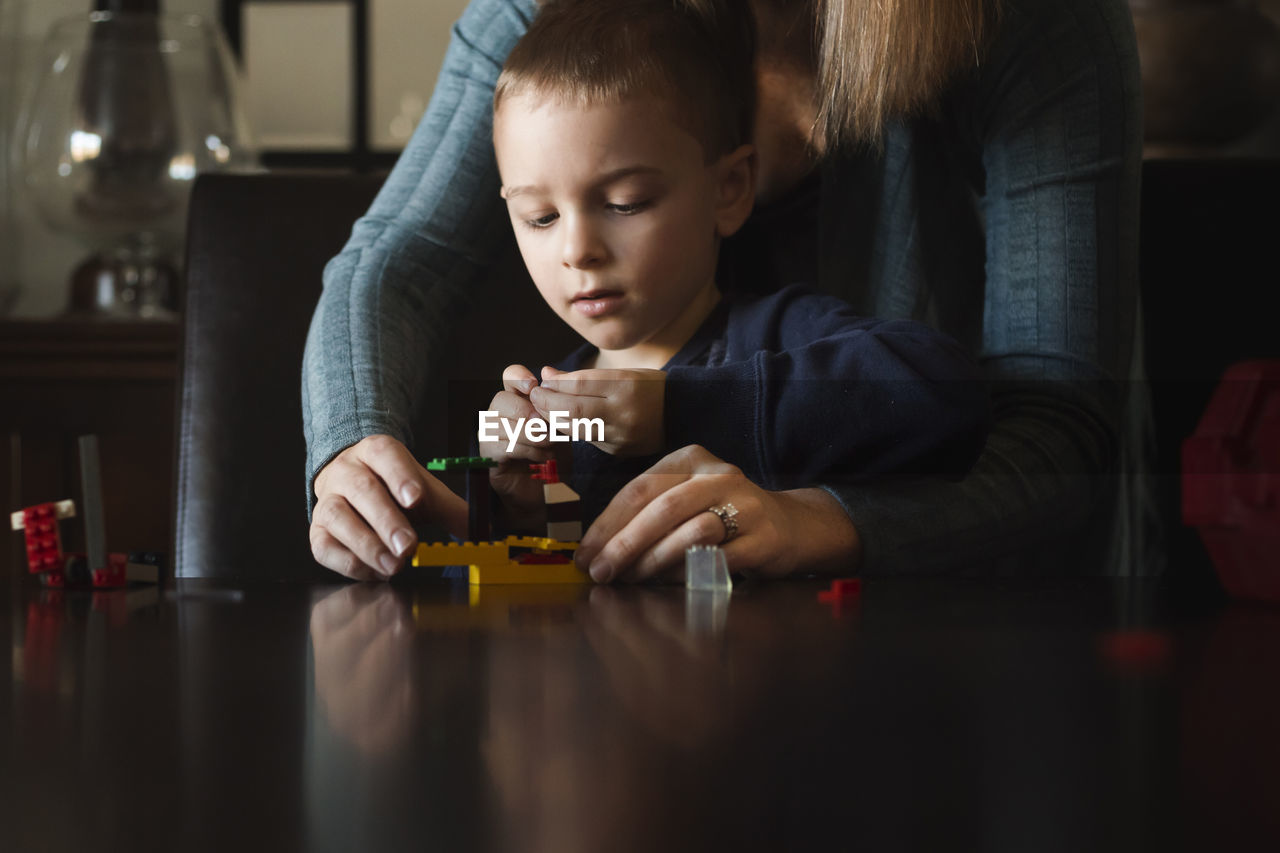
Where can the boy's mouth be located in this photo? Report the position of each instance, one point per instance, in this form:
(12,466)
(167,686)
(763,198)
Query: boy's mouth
(597,303)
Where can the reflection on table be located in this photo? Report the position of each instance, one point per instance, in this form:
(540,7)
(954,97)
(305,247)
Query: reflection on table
(931,713)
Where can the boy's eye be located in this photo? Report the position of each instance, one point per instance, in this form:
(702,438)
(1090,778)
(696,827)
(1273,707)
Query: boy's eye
(628,209)
(542,221)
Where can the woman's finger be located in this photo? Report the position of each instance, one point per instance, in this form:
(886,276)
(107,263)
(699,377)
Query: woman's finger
(395,466)
(651,506)
(670,471)
(666,554)
(347,522)
(654,542)
(394,535)
(333,555)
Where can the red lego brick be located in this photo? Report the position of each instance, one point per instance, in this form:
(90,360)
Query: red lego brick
(543,559)
(112,575)
(842,590)
(545,471)
(44,544)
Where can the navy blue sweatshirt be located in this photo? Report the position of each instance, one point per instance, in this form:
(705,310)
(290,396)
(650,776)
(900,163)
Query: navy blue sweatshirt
(796,389)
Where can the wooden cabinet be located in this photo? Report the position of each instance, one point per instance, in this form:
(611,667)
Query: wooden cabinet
(63,379)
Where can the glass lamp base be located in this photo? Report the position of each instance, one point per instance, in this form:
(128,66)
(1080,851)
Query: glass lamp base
(124,286)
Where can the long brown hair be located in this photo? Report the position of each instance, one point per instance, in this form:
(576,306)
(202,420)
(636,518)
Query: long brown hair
(877,60)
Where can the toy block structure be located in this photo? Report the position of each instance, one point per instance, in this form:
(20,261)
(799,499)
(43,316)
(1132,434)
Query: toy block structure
(40,529)
(95,568)
(516,559)
(564,506)
(479,523)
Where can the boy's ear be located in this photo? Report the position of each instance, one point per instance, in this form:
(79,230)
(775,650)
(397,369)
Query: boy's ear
(735,189)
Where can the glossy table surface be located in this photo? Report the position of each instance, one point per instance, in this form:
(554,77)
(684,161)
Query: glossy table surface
(931,714)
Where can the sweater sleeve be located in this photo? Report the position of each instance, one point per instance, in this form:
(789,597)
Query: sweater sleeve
(1057,119)
(808,391)
(417,255)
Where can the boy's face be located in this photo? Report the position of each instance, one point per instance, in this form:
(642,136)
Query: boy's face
(615,213)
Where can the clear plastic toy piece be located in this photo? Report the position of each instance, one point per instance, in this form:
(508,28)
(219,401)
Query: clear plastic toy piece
(705,569)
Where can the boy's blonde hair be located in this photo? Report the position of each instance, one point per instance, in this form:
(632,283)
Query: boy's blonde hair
(697,55)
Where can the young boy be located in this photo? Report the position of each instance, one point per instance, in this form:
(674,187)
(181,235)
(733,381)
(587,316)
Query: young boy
(622,133)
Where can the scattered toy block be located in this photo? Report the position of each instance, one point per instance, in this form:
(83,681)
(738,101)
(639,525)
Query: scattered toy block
(706,569)
(842,590)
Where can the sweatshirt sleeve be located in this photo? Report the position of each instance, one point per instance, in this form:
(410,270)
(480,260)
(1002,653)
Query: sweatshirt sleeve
(1057,121)
(810,392)
(418,255)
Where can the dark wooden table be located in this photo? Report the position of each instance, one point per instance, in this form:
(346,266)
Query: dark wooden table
(934,715)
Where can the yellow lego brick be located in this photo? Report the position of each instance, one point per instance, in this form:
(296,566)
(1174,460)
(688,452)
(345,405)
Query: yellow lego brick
(513,572)
(460,553)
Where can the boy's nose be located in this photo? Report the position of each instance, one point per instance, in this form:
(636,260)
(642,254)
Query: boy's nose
(583,247)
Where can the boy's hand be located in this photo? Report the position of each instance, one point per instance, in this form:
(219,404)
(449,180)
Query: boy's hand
(630,402)
(520,494)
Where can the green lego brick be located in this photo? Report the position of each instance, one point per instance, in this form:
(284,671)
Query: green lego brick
(460,463)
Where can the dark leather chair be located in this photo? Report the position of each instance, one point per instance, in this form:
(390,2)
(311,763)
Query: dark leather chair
(256,247)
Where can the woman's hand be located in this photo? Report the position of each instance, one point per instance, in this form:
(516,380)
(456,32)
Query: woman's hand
(644,531)
(627,402)
(357,527)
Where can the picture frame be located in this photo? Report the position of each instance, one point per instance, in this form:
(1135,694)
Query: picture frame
(306,78)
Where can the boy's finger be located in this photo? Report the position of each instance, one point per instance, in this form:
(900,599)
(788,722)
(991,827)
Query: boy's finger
(511,405)
(516,411)
(546,401)
(586,383)
(519,379)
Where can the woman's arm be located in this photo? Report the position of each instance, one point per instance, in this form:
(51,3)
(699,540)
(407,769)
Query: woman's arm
(416,257)
(1057,120)
(413,263)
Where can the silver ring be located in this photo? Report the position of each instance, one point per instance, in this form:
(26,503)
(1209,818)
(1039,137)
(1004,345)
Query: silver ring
(726,513)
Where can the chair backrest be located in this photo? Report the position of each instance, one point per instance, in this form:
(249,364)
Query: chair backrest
(256,248)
